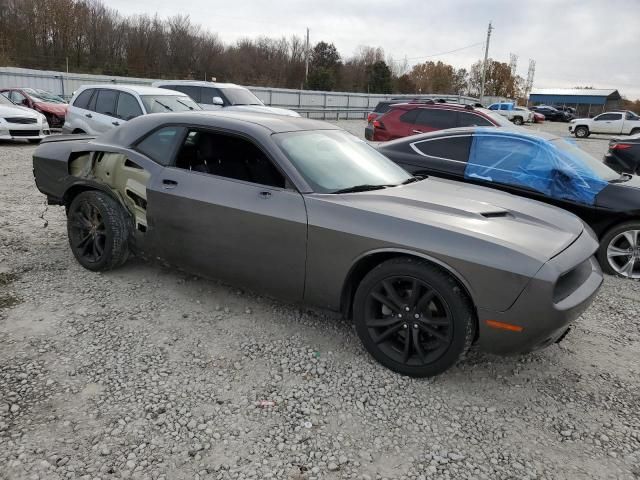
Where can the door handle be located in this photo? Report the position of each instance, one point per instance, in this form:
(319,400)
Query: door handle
(417,131)
(169,183)
(265,194)
(88,115)
(117,124)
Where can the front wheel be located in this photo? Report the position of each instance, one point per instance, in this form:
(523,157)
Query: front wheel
(581,132)
(413,318)
(518,121)
(98,230)
(619,252)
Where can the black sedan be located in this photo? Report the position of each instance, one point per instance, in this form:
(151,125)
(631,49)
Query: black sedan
(552,113)
(542,167)
(624,155)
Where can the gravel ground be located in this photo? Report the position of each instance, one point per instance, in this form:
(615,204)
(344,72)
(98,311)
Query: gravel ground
(150,373)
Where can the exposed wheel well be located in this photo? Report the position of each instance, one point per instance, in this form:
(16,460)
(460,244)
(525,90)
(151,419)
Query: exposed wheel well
(366,264)
(634,131)
(78,130)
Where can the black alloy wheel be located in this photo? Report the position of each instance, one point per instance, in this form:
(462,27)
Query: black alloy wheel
(413,318)
(98,230)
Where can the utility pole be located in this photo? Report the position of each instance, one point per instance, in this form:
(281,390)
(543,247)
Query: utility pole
(484,64)
(306,59)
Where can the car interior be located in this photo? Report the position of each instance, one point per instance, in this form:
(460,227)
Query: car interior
(227,156)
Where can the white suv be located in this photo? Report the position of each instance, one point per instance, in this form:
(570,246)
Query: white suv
(96,109)
(213,96)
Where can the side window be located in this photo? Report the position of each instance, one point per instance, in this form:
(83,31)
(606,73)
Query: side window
(608,117)
(472,120)
(410,117)
(495,106)
(161,144)
(83,99)
(207,94)
(227,156)
(128,107)
(106,102)
(452,148)
(436,118)
(504,106)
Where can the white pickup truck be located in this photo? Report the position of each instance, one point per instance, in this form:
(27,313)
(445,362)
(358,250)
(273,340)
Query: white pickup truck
(617,123)
(517,115)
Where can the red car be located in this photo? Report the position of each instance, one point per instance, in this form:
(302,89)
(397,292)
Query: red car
(538,117)
(406,119)
(51,106)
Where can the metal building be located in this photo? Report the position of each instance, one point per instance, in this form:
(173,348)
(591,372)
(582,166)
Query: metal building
(587,101)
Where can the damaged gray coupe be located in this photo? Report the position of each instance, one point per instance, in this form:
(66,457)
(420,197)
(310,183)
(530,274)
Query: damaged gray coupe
(304,211)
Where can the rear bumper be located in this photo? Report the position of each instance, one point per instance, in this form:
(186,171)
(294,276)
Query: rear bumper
(539,316)
(368,132)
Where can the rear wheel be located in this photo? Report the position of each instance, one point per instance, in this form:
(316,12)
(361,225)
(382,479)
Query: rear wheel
(619,252)
(98,230)
(413,318)
(518,120)
(581,132)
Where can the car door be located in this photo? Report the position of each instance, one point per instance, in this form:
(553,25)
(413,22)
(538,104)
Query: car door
(214,212)
(103,118)
(607,123)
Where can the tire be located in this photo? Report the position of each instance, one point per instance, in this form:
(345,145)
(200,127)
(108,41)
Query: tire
(518,121)
(616,251)
(581,132)
(98,228)
(34,140)
(442,322)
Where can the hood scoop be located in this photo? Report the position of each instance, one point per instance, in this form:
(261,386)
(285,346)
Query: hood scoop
(496,214)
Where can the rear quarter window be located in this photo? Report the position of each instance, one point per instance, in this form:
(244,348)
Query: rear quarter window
(160,145)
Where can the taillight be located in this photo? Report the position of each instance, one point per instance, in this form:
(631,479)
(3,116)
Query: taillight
(620,146)
(378,124)
(371,117)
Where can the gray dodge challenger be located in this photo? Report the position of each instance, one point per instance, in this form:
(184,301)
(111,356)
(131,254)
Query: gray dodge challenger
(306,212)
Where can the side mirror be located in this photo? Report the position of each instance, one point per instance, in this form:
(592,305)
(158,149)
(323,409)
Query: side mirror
(217,101)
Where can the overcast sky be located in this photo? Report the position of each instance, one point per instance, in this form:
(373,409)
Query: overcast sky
(574,42)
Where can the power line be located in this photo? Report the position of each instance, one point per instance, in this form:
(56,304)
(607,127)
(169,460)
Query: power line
(445,53)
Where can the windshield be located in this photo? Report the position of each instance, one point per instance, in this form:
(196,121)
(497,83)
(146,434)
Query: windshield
(596,166)
(168,103)
(333,160)
(5,101)
(43,96)
(241,96)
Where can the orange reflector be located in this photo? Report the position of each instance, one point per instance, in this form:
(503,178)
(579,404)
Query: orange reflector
(504,326)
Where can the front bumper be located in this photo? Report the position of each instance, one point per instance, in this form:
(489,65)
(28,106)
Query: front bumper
(33,133)
(571,128)
(556,296)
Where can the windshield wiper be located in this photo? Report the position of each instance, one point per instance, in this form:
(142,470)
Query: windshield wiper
(415,178)
(624,177)
(165,106)
(362,188)
(182,103)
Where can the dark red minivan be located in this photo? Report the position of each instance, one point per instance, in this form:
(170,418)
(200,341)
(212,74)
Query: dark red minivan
(404,119)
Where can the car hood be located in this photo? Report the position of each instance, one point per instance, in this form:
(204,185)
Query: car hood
(262,109)
(532,228)
(11,110)
(59,109)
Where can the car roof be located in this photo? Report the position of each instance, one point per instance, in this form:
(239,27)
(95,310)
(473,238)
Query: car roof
(139,89)
(196,83)
(450,132)
(411,105)
(242,122)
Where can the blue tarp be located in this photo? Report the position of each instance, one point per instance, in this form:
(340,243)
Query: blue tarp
(534,163)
